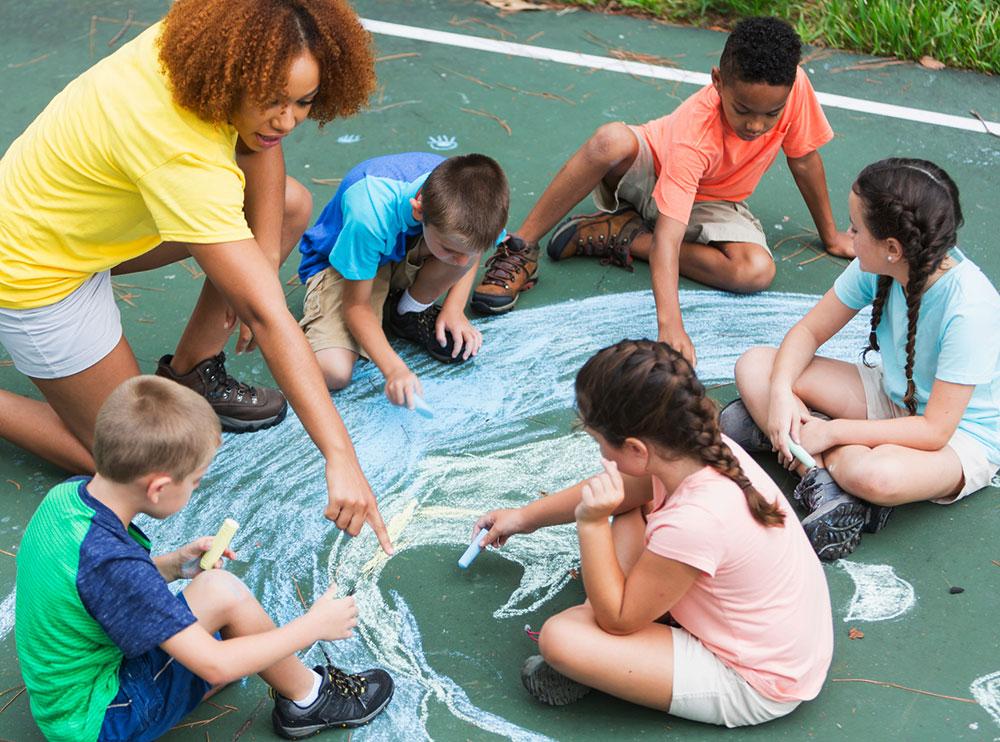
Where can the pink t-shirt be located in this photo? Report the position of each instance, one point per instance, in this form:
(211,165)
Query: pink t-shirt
(698,157)
(761,603)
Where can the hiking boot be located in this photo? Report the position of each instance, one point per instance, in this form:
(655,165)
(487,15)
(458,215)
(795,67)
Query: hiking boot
(735,422)
(419,327)
(836,518)
(548,686)
(513,268)
(241,408)
(601,235)
(344,701)
(877,517)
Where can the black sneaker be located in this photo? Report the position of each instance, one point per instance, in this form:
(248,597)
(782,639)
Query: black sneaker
(549,686)
(836,518)
(241,408)
(877,516)
(345,701)
(419,327)
(735,422)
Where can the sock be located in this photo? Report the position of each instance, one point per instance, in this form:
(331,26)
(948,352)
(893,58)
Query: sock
(312,695)
(408,304)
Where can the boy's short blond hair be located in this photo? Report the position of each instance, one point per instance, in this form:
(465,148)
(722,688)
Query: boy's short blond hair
(468,196)
(151,424)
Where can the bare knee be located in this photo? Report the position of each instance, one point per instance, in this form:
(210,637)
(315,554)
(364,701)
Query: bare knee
(754,367)
(753,270)
(611,144)
(215,595)
(874,478)
(559,640)
(337,365)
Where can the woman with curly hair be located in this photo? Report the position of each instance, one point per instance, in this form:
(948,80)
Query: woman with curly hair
(703,597)
(172,147)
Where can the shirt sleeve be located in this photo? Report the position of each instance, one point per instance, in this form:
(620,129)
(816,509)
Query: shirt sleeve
(855,288)
(687,534)
(358,250)
(195,200)
(809,129)
(970,346)
(130,600)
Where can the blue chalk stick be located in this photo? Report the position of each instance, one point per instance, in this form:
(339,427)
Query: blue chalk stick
(421,407)
(473,551)
(801,454)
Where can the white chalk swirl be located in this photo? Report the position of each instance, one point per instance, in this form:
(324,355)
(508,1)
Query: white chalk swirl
(879,594)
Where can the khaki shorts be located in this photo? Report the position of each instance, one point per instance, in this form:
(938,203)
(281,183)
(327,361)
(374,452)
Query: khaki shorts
(322,310)
(706,689)
(710,221)
(976,466)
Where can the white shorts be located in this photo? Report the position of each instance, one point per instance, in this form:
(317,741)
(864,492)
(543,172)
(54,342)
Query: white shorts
(67,337)
(706,689)
(976,467)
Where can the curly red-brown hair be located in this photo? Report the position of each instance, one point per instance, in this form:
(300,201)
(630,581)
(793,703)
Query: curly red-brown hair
(218,53)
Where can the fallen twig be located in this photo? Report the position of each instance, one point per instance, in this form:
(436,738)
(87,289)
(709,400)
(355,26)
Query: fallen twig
(125,27)
(983,122)
(874,64)
(504,124)
(195,272)
(389,106)
(298,592)
(15,483)
(813,259)
(12,699)
(326,181)
(466,21)
(887,684)
(547,96)
(401,55)
(470,78)
(39,58)
(249,722)
(224,711)
(7,553)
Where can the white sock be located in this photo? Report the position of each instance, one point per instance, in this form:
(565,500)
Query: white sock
(408,304)
(312,695)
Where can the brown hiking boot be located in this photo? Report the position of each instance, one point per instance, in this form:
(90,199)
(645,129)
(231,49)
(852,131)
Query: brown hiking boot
(241,408)
(513,268)
(601,235)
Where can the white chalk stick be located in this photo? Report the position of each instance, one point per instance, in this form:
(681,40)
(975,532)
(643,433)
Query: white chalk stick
(801,454)
(473,551)
(421,407)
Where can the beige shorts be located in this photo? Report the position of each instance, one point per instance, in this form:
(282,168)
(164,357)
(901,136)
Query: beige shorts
(710,221)
(322,310)
(976,466)
(706,689)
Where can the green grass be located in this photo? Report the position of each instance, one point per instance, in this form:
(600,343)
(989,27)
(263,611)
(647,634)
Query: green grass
(960,33)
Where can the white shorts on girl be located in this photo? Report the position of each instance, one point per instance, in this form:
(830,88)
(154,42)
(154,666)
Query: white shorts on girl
(707,690)
(67,337)
(976,467)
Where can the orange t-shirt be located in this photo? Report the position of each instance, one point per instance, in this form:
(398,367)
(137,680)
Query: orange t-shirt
(760,602)
(698,157)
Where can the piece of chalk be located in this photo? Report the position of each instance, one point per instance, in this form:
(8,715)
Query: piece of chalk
(801,454)
(220,543)
(421,407)
(473,551)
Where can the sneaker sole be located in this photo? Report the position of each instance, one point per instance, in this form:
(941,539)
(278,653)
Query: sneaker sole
(876,525)
(835,529)
(236,425)
(480,306)
(303,732)
(548,686)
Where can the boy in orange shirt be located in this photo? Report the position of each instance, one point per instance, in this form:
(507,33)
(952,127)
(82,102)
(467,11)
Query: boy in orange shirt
(672,191)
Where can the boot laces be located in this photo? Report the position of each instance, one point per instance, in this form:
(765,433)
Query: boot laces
(504,265)
(347,685)
(221,384)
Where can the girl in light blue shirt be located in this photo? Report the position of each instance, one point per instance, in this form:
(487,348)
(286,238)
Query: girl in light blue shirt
(924,424)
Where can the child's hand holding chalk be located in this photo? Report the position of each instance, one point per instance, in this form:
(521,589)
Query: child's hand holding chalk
(421,407)
(473,551)
(801,454)
(500,525)
(206,552)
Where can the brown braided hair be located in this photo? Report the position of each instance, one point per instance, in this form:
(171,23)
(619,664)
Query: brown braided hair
(647,390)
(915,202)
(216,53)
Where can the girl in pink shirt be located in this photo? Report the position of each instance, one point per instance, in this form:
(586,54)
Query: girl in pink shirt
(701,538)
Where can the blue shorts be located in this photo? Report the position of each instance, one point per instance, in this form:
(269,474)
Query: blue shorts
(155,692)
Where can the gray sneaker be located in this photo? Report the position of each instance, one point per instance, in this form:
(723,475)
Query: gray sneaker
(735,422)
(549,686)
(836,518)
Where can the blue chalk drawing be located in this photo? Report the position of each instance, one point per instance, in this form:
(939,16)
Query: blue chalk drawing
(442,142)
(501,433)
(349,139)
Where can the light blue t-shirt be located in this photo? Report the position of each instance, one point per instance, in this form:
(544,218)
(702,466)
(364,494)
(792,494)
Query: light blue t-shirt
(958,341)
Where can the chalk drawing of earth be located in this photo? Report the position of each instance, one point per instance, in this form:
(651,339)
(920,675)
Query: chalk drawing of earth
(491,444)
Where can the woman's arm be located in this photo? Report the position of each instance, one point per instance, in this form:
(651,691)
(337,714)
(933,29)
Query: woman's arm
(264,197)
(242,274)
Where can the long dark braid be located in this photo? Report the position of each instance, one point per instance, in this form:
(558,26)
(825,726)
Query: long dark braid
(916,203)
(646,390)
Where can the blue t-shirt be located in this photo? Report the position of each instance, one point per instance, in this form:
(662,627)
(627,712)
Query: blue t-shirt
(958,341)
(369,219)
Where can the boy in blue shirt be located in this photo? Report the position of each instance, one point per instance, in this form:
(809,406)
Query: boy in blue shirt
(401,231)
(106,650)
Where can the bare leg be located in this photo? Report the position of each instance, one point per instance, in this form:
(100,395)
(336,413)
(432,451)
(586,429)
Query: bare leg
(895,475)
(740,267)
(337,365)
(607,156)
(637,667)
(222,603)
(436,278)
(35,427)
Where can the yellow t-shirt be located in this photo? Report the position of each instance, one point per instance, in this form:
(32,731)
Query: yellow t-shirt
(111,168)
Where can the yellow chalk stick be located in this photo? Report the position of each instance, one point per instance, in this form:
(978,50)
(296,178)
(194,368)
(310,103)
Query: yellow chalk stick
(220,543)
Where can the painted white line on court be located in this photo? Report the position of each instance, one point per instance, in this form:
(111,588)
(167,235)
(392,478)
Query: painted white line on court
(661,73)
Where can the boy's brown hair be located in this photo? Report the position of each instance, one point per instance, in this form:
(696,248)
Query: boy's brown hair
(467,196)
(150,424)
